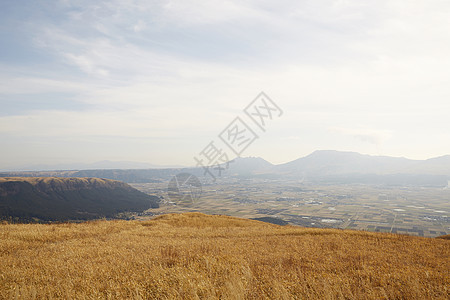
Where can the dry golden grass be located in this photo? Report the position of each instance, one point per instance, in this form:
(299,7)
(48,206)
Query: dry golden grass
(195,256)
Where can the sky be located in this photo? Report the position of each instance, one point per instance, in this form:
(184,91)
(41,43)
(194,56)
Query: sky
(158,81)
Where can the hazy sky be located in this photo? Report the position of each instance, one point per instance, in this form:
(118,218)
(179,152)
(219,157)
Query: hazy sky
(156,81)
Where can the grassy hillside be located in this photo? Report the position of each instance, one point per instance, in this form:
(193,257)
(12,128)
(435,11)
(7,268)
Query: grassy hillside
(61,199)
(195,256)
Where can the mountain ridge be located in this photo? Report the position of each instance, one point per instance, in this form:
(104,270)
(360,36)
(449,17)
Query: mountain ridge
(342,167)
(104,164)
(321,166)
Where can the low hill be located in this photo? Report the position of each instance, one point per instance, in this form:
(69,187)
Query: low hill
(62,199)
(196,256)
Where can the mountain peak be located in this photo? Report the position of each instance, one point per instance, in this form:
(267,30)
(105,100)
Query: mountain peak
(245,165)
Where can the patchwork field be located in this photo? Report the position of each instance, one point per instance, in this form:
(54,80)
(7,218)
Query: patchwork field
(406,210)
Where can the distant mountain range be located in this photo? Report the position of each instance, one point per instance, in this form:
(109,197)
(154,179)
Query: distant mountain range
(324,167)
(328,162)
(104,165)
(329,166)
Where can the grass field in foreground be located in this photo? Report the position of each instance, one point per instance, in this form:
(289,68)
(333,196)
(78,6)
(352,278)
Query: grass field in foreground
(196,256)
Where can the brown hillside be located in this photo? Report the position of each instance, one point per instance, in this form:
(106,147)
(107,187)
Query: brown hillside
(47,199)
(195,256)
(46,184)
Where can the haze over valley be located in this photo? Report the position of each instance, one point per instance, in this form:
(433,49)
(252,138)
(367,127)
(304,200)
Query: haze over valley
(224,149)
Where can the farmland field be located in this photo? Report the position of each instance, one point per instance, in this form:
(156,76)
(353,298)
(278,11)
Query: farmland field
(407,210)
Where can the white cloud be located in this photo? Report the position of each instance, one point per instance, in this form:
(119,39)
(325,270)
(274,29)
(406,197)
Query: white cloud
(152,123)
(35,85)
(199,12)
(368,72)
(139,26)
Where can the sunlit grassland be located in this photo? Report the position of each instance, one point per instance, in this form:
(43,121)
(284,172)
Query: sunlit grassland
(195,256)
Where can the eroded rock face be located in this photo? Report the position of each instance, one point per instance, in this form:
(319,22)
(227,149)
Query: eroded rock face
(53,198)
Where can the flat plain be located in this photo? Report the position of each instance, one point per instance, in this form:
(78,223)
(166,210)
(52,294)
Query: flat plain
(406,210)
